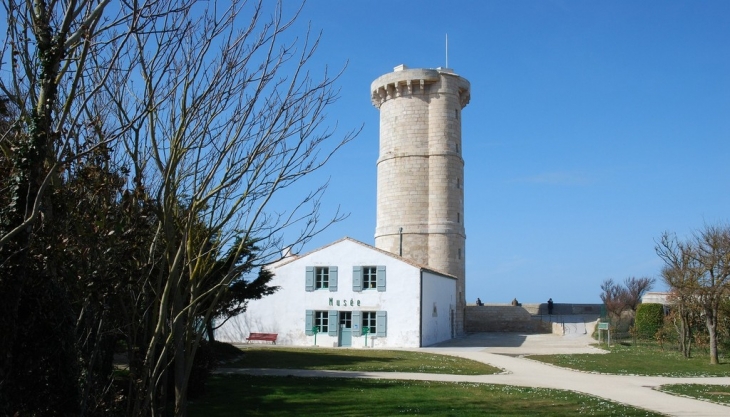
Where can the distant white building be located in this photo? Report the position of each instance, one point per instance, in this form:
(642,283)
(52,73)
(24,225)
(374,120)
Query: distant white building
(344,288)
(656,298)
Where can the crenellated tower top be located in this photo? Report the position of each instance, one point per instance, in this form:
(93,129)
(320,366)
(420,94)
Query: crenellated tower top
(406,82)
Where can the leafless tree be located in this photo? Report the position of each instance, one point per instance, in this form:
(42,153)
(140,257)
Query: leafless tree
(215,108)
(680,277)
(613,297)
(698,271)
(621,300)
(233,119)
(634,290)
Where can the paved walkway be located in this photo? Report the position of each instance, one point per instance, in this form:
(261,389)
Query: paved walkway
(505,351)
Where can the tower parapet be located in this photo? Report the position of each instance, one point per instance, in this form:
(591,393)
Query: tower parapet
(420,202)
(404,81)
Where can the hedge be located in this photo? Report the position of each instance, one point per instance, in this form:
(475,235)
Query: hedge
(649,319)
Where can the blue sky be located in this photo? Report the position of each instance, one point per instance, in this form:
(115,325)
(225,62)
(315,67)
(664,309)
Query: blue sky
(593,127)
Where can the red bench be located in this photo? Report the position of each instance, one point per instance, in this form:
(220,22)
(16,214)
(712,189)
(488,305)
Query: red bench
(266,337)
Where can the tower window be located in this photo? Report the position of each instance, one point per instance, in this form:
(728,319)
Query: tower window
(458,217)
(456,114)
(458,183)
(459,253)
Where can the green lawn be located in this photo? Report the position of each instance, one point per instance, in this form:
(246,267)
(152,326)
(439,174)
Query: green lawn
(715,393)
(365,360)
(261,395)
(639,360)
(232,395)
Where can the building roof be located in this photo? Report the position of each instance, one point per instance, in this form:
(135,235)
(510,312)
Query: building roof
(294,257)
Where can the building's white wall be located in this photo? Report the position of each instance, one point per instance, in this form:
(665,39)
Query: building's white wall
(438,300)
(656,298)
(284,312)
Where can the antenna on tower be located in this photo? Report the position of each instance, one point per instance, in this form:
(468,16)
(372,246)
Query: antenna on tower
(447,50)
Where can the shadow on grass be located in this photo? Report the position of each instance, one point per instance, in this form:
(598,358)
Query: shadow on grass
(359,360)
(293,396)
(304,359)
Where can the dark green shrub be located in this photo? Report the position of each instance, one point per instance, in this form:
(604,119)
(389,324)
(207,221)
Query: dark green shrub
(649,319)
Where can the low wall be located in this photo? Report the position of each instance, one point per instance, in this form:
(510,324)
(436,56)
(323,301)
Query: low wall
(525,318)
(503,319)
(564,308)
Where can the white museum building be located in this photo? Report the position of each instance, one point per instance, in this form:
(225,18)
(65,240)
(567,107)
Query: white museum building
(355,294)
(409,289)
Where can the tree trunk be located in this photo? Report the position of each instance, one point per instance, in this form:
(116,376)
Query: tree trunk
(181,398)
(685,334)
(210,331)
(711,321)
(10,288)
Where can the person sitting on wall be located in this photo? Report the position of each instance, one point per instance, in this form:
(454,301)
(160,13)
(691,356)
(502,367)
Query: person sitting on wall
(550,306)
(514,302)
(479,302)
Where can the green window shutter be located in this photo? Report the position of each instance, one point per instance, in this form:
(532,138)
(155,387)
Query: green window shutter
(333,279)
(382,325)
(381,278)
(309,323)
(333,323)
(309,281)
(357,278)
(356,320)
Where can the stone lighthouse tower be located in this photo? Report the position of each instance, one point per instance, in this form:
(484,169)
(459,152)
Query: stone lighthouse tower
(420,212)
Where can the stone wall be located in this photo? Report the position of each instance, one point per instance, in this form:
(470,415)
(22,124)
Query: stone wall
(527,318)
(564,308)
(503,318)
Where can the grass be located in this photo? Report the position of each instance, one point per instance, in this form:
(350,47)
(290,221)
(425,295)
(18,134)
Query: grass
(291,396)
(715,393)
(639,360)
(364,360)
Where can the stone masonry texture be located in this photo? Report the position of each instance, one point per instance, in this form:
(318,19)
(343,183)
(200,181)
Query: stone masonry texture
(420,197)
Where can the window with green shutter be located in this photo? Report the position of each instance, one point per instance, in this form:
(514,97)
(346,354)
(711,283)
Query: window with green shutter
(333,278)
(357,278)
(369,277)
(309,279)
(309,322)
(381,278)
(321,277)
(333,319)
(321,320)
(370,320)
(356,328)
(382,325)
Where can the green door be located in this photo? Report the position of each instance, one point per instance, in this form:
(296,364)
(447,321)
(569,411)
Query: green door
(345,328)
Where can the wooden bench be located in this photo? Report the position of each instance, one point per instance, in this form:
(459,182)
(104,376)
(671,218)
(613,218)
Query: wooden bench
(266,337)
